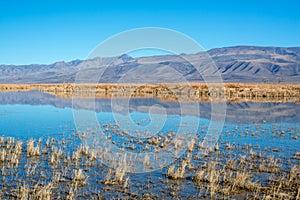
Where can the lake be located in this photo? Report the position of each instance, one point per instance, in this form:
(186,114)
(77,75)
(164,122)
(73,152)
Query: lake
(258,141)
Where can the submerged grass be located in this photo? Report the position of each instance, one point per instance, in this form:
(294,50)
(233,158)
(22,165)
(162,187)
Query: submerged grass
(54,169)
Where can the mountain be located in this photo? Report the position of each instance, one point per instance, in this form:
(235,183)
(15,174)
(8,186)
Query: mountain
(271,64)
(235,64)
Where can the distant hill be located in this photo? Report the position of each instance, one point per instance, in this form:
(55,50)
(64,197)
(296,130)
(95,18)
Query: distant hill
(235,64)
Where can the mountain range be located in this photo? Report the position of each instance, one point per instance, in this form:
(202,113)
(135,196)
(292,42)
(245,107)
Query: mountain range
(234,64)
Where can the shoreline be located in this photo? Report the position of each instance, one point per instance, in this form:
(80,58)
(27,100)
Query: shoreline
(182,92)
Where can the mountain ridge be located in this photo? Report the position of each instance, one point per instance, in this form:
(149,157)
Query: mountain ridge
(235,64)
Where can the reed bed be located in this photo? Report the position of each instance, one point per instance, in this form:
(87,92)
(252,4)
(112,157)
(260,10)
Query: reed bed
(49,168)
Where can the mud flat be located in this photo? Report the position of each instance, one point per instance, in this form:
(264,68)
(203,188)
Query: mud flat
(231,92)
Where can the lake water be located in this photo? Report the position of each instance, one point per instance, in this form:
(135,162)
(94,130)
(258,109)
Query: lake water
(33,114)
(270,128)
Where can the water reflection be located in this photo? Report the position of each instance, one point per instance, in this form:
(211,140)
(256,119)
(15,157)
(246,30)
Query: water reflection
(245,112)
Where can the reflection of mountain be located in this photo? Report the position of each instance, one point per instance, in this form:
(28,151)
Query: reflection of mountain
(33,98)
(235,64)
(238,113)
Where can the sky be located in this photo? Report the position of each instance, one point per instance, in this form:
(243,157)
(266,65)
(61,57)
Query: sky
(46,31)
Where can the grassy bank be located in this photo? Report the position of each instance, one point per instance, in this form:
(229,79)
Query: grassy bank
(231,92)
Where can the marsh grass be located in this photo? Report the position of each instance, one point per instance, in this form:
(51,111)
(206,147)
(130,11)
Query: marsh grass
(53,169)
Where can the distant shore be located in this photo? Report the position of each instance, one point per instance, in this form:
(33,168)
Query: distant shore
(231,92)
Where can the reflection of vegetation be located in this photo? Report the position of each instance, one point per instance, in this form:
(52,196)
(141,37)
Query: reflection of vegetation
(52,169)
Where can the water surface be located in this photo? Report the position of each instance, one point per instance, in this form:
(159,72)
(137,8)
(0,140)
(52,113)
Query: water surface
(271,129)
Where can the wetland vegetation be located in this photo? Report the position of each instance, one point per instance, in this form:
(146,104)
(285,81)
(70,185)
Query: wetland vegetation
(43,156)
(54,169)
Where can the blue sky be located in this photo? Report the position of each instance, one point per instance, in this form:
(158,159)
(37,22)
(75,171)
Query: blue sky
(54,30)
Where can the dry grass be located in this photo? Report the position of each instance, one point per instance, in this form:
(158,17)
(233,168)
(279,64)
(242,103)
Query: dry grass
(234,92)
(229,171)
